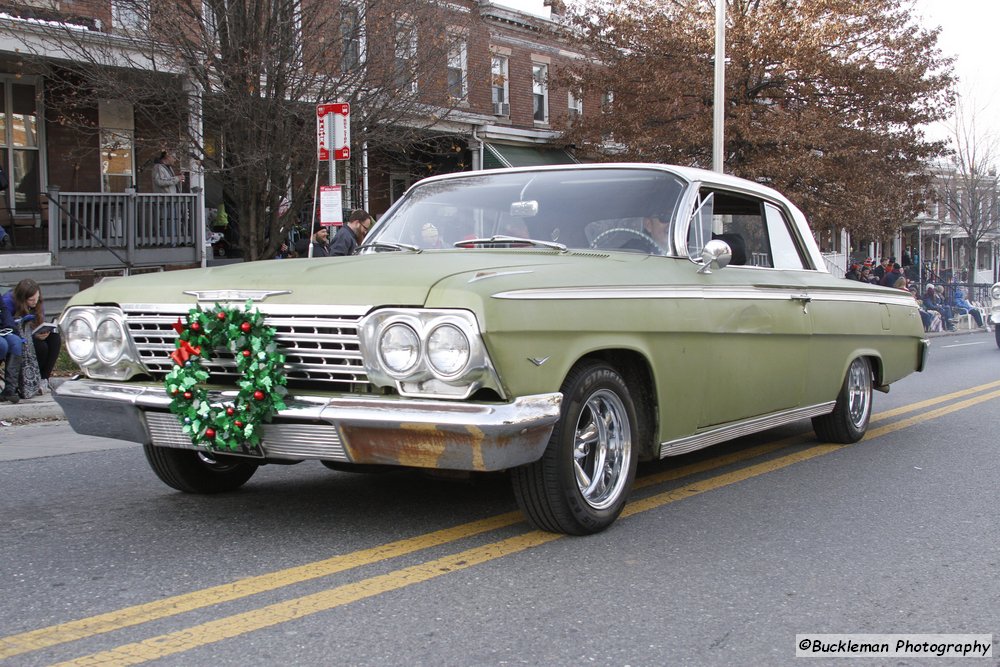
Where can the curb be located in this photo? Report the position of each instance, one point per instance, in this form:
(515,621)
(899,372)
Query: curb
(41,408)
(37,408)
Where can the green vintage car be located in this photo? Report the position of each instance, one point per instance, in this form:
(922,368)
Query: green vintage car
(559,323)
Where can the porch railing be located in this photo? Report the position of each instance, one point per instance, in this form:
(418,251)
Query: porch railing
(124,229)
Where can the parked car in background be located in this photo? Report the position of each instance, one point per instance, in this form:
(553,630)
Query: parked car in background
(559,323)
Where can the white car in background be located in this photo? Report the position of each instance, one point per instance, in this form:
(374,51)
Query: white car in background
(995,311)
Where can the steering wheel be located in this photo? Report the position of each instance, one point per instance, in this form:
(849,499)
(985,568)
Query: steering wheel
(632,240)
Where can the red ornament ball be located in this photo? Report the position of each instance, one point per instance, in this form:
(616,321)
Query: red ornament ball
(195,326)
(258,395)
(188,395)
(238,423)
(221,316)
(245,327)
(246,353)
(209,432)
(230,412)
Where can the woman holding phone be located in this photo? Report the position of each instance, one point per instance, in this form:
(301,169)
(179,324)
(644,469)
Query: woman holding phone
(26,299)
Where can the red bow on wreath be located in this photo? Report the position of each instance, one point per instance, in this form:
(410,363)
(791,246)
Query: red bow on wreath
(184,352)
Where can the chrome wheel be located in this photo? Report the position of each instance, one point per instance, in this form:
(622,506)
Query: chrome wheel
(582,482)
(602,449)
(849,419)
(859,393)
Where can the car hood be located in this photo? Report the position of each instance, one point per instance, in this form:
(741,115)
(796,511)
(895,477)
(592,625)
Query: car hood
(403,279)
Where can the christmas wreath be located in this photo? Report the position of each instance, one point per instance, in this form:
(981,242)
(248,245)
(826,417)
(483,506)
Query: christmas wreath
(232,426)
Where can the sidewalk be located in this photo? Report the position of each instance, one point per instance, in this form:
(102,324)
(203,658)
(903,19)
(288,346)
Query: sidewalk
(44,408)
(37,408)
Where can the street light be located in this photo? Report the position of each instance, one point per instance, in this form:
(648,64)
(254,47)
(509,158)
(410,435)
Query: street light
(719,98)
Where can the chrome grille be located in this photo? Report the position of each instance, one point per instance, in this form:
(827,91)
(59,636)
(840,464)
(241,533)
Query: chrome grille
(279,441)
(318,347)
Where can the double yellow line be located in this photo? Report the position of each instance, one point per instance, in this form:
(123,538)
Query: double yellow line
(299,607)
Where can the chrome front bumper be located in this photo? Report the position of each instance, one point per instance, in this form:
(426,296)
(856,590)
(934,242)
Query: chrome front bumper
(446,435)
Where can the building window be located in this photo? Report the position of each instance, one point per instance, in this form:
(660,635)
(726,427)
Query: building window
(501,92)
(406,55)
(540,91)
(458,67)
(130,15)
(398,183)
(19,145)
(607,101)
(117,138)
(574,106)
(117,147)
(351,38)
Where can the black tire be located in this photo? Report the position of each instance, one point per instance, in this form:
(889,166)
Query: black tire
(559,492)
(196,472)
(849,420)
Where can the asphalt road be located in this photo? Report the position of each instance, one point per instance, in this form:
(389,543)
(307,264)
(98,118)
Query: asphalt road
(723,556)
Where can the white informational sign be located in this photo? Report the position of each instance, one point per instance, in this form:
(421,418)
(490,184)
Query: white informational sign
(333,131)
(331,205)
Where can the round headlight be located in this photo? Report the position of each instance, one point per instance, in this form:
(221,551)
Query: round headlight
(995,292)
(448,349)
(399,348)
(110,341)
(79,339)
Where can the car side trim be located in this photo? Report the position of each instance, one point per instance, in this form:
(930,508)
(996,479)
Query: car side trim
(738,429)
(763,292)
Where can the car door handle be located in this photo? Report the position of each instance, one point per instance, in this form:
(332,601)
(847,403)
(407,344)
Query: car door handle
(805,299)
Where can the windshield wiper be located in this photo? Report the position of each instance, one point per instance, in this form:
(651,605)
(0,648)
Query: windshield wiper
(499,238)
(385,245)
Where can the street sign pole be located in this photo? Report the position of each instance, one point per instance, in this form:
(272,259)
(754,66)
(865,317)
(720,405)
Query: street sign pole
(333,134)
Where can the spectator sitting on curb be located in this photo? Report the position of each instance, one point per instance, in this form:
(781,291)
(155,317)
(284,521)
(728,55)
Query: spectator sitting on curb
(11,347)
(43,342)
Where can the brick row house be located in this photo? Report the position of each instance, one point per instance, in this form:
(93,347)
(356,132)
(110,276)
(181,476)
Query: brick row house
(80,168)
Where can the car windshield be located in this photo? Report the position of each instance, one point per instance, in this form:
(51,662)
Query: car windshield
(606,208)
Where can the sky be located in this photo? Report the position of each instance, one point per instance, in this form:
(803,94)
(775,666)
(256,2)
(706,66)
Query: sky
(970,32)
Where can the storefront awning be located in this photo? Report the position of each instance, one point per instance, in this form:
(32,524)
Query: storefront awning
(501,155)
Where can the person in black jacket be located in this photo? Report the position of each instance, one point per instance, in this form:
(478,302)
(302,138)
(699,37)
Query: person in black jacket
(321,242)
(351,233)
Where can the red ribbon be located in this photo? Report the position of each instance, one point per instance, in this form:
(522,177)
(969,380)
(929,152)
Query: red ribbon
(184,352)
(178,326)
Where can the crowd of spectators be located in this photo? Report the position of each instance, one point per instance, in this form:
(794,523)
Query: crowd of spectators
(937,312)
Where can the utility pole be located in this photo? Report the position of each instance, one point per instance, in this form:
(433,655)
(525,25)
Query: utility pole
(719,99)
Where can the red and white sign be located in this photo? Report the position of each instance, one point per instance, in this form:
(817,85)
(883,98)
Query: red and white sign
(331,206)
(333,131)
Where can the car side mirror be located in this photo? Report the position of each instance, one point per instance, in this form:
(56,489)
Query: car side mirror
(717,253)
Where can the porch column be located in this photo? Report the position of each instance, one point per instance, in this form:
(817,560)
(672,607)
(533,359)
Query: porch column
(196,165)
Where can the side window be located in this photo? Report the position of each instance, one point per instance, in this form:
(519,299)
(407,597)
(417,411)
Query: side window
(784,249)
(738,220)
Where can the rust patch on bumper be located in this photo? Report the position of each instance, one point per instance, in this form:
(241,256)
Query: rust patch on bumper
(430,446)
